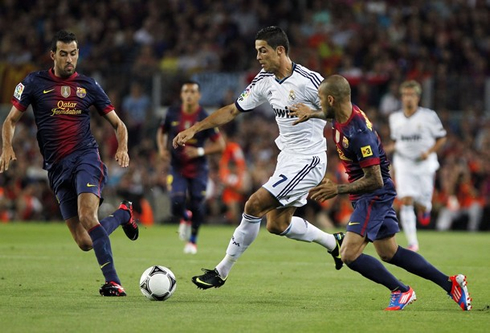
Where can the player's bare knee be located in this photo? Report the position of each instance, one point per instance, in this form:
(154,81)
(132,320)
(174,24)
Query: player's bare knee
(85,247)
(85,244)
(87,220)
(386,252)
(386,257)
(273,228)
(347,256)
(277,225)
(252,207)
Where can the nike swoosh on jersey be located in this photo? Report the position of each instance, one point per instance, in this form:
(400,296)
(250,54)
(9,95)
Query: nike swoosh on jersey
(90,185)
(47,91)
(354,223)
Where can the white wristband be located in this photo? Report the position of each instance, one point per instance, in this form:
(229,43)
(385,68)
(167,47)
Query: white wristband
(200,151)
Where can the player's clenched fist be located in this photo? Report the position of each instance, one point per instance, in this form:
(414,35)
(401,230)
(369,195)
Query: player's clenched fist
(183,137)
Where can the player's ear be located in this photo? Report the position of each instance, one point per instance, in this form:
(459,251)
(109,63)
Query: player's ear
(330,100)
(51,55)
(280,49)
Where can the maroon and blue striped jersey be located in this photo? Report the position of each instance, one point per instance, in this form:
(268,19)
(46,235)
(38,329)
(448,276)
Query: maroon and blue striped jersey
(359,146)
(176,121)
(61,109)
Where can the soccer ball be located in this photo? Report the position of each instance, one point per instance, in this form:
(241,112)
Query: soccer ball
(158,283)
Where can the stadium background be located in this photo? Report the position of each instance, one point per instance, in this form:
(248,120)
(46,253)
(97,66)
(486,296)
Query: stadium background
(152,46)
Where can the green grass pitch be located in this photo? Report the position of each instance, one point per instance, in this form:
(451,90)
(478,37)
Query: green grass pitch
(48,285)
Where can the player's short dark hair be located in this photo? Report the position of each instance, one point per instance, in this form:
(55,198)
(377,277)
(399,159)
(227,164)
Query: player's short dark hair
(274,36)
(63,36)
(192,82)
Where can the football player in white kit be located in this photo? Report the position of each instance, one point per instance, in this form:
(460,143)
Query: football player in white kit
(418,134)
(301,164)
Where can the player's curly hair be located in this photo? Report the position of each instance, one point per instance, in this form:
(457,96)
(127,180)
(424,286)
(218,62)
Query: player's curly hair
(63,36)
(274,36)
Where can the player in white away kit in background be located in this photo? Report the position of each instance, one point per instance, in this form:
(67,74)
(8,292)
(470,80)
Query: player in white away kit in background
(301,164)
(418,134)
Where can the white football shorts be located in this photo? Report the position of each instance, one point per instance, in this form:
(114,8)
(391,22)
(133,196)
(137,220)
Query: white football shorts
(295,176)
(416,184)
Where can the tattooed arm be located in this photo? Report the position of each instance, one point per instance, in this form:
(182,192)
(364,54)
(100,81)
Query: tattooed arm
(371,181)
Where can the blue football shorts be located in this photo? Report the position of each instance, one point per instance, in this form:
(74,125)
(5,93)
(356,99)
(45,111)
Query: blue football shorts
(77,173)
(374,217)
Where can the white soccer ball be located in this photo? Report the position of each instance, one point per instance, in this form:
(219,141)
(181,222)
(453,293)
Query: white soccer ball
(158,283)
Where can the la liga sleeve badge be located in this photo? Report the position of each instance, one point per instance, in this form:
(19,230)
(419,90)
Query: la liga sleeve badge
(19,89)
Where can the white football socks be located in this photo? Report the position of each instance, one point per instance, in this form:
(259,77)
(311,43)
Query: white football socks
(243,236)
(302,230)
(408,221)
(247,231)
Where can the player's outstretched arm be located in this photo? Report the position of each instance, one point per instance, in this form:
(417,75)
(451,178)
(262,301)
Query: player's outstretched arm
(122,156)
(324,191)
(219,117)
(371,181)
(304,113)
(8,130)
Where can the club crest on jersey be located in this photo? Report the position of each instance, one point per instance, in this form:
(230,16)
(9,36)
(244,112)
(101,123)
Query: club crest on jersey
(366,151)
(81,92)
(345,142)
(292,95)
(65,91)
(19,89)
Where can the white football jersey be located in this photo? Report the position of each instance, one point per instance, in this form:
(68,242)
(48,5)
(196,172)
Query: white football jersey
(414,135)
(301,87)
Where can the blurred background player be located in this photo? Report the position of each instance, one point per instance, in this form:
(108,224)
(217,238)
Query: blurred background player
(233,175)
(417,135)
(61,100)
(372,193)
(301,164)
(189,169)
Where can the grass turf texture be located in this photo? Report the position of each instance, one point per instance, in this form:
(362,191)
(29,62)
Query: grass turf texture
(48,285)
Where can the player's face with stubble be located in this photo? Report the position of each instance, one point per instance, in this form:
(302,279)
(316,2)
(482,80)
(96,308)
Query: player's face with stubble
(267,56)
(327,109)
(65,58)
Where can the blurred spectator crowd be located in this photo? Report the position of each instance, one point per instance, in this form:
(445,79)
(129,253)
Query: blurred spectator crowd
(126,44)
